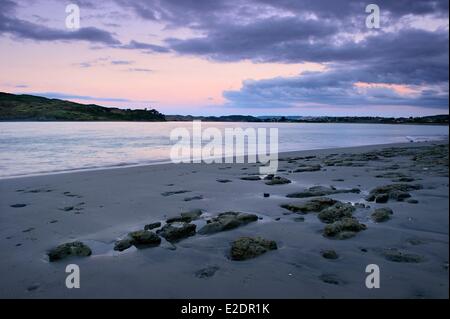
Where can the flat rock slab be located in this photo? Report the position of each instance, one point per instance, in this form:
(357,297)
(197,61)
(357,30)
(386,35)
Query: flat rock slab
(206,272)
(250,247)
(397,192)
(186,217)
(381,214)
(329,254)
(321,191)
(123,244)
(344,228)
(144,238)
(62,251)
(313,205)
(336,212)
(177,231)
(227,221)
(401,257)
(308,168)
(152,226)
(276,180)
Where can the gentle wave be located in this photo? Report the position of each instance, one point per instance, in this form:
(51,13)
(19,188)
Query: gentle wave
(31,148)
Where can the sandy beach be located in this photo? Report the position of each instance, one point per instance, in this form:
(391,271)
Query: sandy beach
(314,258)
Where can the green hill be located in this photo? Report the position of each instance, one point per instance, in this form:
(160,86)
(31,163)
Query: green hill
(34,108)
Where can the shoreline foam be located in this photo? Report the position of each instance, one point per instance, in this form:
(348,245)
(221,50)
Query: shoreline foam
(165,162)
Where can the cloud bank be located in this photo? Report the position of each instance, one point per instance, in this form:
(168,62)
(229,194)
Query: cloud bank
(403,63)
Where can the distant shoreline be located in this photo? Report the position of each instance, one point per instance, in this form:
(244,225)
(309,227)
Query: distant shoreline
(205,121)
(29,108)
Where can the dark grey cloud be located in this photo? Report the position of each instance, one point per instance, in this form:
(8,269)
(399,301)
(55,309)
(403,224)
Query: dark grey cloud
(299,39)
(177,12)
(262,40)
(334,87)
(309,42)
(412,57)
(292,31)
(86,4)
(8,6)
(146,47)
(415,58)
(204,13)
(22,29)
(341,9)
(121,62)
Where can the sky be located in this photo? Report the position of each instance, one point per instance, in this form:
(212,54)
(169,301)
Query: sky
(221,57)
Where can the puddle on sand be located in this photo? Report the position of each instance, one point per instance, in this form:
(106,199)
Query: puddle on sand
(273,196)
(199,223)
(263,219)
(100,248)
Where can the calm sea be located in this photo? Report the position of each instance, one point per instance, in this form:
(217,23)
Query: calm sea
(28,148)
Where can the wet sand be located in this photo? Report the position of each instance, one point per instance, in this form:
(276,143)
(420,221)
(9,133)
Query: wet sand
(100,207)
